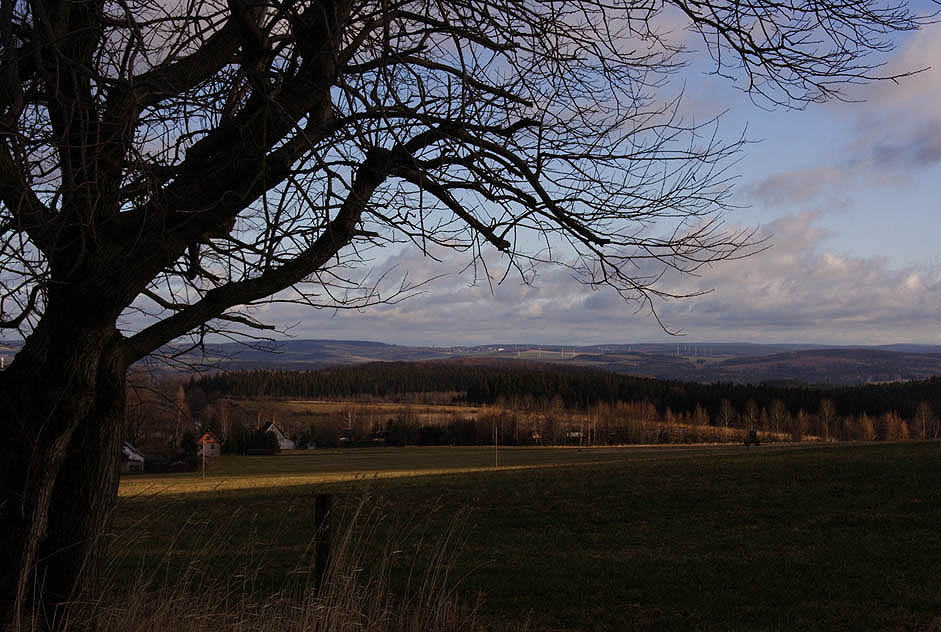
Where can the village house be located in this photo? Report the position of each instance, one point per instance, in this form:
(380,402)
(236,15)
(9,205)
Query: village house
(209,445)
(132,461)
(283,442)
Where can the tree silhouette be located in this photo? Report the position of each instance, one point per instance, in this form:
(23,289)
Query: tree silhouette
(167,167)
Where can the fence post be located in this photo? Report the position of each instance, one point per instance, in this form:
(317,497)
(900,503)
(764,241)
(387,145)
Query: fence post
(323,506)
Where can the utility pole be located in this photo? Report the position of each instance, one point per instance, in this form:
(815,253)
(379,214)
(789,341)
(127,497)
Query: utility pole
(496,447)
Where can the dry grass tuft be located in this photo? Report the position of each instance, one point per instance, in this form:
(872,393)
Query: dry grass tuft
(196,595)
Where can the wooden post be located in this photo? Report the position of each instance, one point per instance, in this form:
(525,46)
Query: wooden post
(323,506)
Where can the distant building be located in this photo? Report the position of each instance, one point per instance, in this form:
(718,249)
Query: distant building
(283,442)
(209,445)
(132,461)
(573,437)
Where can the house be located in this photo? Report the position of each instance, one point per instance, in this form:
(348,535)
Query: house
(283,442)
(132,460)
(209,445)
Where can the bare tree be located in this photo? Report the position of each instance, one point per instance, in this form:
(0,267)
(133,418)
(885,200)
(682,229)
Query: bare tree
(224,418)
(827,417)
(779,415)
(924,421)
(726,416)
(751,415)
(798,425)
(764,420)
(165,167)
(700,416)
(865,428)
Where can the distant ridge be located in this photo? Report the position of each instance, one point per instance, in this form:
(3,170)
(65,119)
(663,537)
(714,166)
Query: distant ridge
(707,362)
(745,363)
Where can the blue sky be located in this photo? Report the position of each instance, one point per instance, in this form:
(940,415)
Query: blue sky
(847,194)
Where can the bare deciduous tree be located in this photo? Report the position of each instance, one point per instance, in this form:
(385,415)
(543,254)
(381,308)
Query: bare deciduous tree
(726,416)
(798,425)
(751,415)
(779,415)
(166,166)
(924,421)
(700,416)
(827,417)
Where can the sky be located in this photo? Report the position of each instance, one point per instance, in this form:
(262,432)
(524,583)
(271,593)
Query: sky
(847,195)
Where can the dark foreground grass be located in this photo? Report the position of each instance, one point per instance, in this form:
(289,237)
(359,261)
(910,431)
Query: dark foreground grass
(839,538)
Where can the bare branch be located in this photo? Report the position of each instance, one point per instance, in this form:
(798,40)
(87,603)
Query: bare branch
(336,234)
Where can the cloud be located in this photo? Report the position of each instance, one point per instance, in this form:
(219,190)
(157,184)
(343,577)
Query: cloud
(909,145)
(799,186)
(804,289)
(798,291)
(885,137)
(899,125)
(918,54)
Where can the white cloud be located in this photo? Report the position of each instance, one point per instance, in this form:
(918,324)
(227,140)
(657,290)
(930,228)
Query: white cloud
(884,139)
(919,52)
(798,291)
(900,127)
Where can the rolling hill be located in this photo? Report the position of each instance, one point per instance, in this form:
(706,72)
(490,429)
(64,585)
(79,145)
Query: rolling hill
(705,362)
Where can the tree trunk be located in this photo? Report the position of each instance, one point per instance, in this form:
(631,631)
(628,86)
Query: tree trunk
(62,402)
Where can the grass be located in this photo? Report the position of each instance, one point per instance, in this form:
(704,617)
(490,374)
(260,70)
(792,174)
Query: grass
(779,538)
(199,589)
(314,467)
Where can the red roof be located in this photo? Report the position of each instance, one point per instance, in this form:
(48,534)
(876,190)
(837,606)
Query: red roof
(208,438)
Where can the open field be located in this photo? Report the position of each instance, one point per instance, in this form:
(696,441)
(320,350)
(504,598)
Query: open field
(840,537)
(316,467)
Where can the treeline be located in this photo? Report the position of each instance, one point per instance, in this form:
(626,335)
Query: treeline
(531,422)
(577,388)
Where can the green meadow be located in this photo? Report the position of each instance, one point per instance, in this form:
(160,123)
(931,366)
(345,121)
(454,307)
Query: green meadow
(838,537)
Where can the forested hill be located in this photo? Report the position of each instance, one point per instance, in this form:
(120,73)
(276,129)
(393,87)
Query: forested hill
(488,382)
(705,362)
